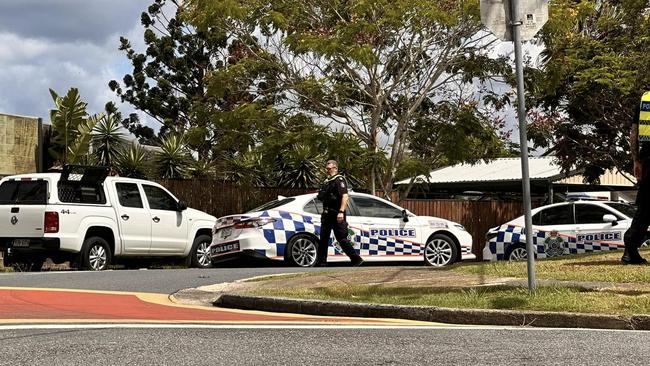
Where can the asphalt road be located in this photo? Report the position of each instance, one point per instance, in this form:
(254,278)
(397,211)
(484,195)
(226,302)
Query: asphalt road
(133,344)
(165,281)
(321,347)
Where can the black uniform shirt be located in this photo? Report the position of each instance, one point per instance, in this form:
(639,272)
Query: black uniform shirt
(332,192)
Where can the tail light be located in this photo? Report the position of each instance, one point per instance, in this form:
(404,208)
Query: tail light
(254,222)
(51,222)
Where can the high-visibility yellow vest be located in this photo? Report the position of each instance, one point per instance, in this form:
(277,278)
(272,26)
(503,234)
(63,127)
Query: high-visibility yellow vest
(644,118)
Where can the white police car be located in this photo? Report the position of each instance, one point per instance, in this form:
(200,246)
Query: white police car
(288,228)
(562,228)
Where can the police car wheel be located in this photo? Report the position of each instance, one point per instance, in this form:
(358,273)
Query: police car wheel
(440,251)
(301,251)
(517,252)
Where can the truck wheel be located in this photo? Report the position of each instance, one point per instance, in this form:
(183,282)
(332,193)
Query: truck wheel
(95,254)
(200,254)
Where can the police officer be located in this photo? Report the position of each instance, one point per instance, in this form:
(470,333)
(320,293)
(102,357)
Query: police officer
(639,138)
(334,195)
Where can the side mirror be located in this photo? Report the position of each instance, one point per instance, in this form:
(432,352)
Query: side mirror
(181,206)
(611,219)
(405,216)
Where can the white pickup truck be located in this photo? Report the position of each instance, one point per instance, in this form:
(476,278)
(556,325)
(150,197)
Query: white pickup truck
(83,216)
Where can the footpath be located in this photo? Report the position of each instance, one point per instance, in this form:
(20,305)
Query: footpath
(237,295)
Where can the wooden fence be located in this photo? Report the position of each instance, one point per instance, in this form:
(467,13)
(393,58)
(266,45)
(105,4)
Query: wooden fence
(220,199)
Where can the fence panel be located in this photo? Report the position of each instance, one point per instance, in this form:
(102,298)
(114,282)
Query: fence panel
(220,199)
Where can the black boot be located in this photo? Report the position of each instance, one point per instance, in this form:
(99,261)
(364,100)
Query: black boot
(632,256)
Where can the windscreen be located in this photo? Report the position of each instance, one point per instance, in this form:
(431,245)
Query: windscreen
(27,192)
(625,208)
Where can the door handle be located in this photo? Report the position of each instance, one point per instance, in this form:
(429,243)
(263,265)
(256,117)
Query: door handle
(156,219)
(125,217)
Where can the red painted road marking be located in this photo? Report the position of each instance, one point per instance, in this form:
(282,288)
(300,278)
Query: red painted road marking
(19,305)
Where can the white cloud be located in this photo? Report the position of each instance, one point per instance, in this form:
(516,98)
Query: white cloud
(62,44)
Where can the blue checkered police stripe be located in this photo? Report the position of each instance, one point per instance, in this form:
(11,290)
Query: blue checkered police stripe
(288,224)
(510,234)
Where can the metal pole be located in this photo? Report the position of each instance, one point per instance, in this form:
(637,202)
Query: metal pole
(516,22)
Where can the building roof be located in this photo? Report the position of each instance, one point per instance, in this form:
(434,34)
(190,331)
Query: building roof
(507,170)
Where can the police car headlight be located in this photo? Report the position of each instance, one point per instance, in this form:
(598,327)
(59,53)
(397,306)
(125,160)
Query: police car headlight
(254,222)
(460,227)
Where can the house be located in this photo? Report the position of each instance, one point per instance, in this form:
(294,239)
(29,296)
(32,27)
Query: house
(500,179)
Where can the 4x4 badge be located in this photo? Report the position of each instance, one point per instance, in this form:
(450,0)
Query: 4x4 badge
(14,220)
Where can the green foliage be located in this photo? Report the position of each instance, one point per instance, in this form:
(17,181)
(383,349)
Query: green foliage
(369,65)
(173,160)
(594,74)
(107,137)
(170,82)
(132,161)
(72,127)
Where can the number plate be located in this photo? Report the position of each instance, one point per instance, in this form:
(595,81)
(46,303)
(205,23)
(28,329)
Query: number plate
(225,248)
(20,243)
(226,232)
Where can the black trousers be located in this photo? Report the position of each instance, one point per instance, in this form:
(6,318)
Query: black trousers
(328,224)
(636,234)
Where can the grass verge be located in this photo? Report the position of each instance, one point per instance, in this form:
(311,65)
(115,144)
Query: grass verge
(632,300)
(552,298)
(586,267)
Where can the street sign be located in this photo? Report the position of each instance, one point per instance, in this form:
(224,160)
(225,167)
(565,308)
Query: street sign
(495,15)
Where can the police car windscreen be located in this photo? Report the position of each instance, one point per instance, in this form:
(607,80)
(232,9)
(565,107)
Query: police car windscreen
(273,204)
(624,208)
(32,192)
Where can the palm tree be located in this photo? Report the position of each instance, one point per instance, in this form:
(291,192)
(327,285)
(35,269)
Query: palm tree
(72,127)
(132,162)
(247,169)
(299,167)
(107,139)
(173,161)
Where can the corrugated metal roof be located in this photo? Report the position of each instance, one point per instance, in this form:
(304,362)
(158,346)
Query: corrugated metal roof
(502,169)
(610,178)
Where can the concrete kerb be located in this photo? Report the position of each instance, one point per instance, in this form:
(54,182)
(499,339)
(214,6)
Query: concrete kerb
(434,314)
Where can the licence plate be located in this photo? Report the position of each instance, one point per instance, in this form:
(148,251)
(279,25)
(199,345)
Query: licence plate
(225,248)
(20,243)
(226,232)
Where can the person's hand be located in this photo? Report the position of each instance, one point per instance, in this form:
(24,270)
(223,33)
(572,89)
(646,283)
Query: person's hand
(339,217)
(637,170)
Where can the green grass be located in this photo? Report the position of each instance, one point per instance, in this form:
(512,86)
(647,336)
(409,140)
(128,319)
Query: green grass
(554,298)
(587,267)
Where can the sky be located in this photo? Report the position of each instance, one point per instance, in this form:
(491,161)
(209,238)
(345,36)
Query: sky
(61,44)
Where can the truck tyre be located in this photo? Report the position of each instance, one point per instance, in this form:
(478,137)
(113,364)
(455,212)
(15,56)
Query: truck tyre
(200,254)
(95,254)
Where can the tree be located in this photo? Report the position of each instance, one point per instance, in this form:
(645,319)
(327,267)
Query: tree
(72,127)
(173,160)
(594,72)
(449,134)
(107,138)
(169,84)
(133,162)
(368,65)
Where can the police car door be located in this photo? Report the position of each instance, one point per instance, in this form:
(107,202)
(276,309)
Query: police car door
(592,232)
(554,229)
(387,235)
